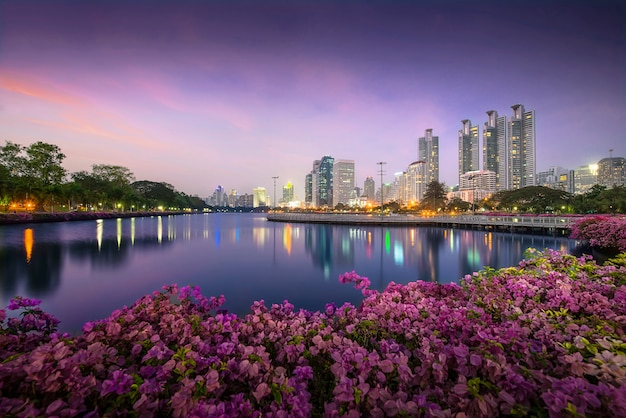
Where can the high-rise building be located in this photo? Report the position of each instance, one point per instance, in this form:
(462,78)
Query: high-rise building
(475,186)
(398,192)
(219,197)
(557,178)
(325,182)
(585,177)
(308,190)
(318,184)
(311,186)
(343,181)
(260,197)
(521,148)
(288,192)
(494,147)
(232,198)
(416,181)
(369,189)
(468,148)
(245,200)
(612,172)
(428,151)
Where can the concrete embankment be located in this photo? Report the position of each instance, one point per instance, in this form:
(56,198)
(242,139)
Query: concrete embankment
(542,225)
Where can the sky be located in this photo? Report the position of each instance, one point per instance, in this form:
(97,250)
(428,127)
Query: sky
(233,93)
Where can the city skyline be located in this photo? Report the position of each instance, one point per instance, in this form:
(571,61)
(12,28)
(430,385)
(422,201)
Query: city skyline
(205,94)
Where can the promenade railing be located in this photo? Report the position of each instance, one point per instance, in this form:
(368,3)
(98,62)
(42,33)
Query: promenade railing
(512,222)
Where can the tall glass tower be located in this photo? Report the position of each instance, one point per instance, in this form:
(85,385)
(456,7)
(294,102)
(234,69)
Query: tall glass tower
(428,151)
(494,147)
(521,148)
(343,181)
(468,148)
(308,189)
(325,181)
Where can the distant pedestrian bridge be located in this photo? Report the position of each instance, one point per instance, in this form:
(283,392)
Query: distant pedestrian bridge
(531,224)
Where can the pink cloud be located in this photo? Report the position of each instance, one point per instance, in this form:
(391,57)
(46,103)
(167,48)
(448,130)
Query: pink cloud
(32,88)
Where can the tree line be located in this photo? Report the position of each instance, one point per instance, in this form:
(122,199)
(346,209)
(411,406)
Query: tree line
(531,199)
(33,178)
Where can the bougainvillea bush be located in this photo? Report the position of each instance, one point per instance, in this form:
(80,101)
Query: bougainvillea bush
(602,231)
(544,338)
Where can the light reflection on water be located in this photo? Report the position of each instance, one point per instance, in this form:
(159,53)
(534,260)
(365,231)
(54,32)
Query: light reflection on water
(85,270)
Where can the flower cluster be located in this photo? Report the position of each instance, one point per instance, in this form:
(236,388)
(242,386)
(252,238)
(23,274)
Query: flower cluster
(603,231)
(544,338)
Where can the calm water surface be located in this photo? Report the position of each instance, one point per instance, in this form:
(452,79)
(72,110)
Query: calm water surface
(84,270)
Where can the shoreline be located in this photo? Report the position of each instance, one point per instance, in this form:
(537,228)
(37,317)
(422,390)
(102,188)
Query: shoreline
(525,224)
(44,217)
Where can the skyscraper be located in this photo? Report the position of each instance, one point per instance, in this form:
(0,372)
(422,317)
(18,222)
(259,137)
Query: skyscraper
(494,147)
(585,176)
(343,181)
(308,190)
(428,151)
(314,181)
(369,189)
(260,197)
(521,148)
(416,181)
(468,148)
(325,181)
(612,172)
(288,192)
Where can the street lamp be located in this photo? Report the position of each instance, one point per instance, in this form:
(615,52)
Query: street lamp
(381,163)
(611,166)
(275,177)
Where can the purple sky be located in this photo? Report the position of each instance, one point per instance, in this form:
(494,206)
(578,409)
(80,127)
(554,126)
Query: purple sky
(199,94)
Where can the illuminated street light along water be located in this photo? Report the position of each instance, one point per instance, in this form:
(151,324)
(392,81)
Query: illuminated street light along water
(84,270)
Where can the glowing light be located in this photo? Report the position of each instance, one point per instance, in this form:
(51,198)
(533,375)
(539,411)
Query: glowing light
(287,238)
(99,231)
(29,241)
(119,232)
(387,242)
(398,253)
(171,228)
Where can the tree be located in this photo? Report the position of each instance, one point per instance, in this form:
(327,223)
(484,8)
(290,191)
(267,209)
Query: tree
(34,171)
(12,160)
(156,194)
(43,164)
(434,196)
(115,181)
(87,189)
(536,199)
(44,172)
(114,174)
(457,204)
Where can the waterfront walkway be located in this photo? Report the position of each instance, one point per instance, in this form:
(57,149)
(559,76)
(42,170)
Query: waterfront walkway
(548,225)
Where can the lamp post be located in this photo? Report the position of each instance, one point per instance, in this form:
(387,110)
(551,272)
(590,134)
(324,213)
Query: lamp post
(611,166)
(381,163)
(275,177)
(474,194)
